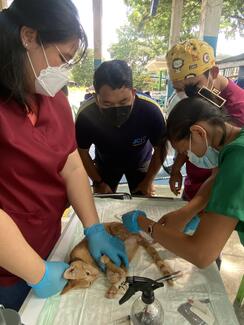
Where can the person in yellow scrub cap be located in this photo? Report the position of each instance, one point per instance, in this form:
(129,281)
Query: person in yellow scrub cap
(192,70)
(189,59)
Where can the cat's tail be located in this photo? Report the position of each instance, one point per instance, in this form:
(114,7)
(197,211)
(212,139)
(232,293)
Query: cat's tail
(164,268)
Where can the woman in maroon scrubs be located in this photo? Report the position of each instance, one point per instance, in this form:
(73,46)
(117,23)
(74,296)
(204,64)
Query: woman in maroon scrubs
(40,168)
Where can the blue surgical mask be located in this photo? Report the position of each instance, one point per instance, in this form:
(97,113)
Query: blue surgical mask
(208,161)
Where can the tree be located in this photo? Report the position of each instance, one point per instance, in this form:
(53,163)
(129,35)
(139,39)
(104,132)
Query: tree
(232,19)
(82,73)
(155,30)
(137,50)
(146,37)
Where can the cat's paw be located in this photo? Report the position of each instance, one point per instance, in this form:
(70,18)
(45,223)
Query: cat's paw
(114,277)
(112,292)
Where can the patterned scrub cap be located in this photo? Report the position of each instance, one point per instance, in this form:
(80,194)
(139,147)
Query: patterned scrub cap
(189,59)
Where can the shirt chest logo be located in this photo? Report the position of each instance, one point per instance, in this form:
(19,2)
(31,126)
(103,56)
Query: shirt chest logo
(138,141)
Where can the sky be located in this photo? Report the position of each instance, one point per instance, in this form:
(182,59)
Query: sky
(114,16)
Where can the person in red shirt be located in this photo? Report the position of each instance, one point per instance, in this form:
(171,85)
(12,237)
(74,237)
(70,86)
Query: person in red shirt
(191,66)
(40,168)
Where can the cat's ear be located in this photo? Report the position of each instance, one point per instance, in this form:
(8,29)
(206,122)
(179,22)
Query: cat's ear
(71,273)
(76,284)
(71,284)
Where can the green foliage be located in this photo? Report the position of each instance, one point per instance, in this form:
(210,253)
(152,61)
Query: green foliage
(133,48)
(82,73)
(142,80)
(232,20)
(146,37)
(156,29)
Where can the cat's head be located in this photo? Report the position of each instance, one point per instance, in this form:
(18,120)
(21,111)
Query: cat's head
(80,275)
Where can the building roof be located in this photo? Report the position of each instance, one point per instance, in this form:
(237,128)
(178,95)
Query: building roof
(157,64)
(235,58)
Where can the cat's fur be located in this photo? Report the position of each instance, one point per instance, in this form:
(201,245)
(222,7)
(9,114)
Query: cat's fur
(83,270)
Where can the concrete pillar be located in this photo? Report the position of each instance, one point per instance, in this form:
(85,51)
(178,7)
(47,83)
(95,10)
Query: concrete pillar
(209,21)
(97,32)
(175,26)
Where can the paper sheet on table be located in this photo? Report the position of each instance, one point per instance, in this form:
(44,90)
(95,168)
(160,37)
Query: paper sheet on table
(89,306)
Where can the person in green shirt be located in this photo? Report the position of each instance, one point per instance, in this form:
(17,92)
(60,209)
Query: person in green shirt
(197,128)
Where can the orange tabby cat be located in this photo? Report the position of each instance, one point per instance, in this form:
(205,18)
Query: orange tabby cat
(83,270)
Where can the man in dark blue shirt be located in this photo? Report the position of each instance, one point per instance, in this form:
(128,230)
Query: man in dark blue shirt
(125,127)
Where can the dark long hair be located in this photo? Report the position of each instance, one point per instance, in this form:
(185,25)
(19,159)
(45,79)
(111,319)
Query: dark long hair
(190,111)
(54,20)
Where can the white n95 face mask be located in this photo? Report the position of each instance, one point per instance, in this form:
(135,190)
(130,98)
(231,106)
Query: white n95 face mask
(51,80)
(208,161)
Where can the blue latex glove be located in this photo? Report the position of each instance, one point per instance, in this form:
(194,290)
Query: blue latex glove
(100,242)
(130,220)
(52,281)
(192,225)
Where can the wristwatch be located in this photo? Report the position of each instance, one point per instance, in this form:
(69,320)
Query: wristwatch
(97,183)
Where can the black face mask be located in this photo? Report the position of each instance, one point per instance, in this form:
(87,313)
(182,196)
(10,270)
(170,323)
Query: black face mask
(117,116)
(191,90)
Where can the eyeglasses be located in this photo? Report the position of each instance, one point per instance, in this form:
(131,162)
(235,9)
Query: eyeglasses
(69,64)
(211,96)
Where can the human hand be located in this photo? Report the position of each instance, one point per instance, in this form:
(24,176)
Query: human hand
(102,188)
(100,242)
(130,220)
(52,281)
(146,188)
(175,182)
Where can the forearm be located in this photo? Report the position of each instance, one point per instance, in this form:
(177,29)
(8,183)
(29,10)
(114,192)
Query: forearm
(154,165)
(16,256)
(203,247)
(163,149)
(80,196)
(201,198)
(89,165)
(175,241)
(179,162)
